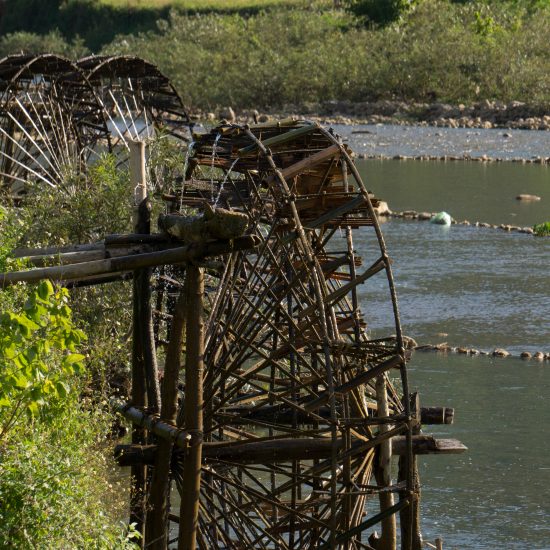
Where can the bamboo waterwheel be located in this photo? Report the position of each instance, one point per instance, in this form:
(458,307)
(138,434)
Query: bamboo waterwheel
(51,123)
(299,403)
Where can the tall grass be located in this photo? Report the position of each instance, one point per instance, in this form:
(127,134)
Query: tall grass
(309,52)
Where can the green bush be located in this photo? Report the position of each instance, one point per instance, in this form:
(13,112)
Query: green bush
(98,205)
(38,356)
(56,485)
(447,52)
(58,488)
(89,207)
(379,12)
(542,229)
(437,50)
(266,60)
(53,42)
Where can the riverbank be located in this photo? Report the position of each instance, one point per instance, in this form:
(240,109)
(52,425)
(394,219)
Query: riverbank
(482,115)
(445,348)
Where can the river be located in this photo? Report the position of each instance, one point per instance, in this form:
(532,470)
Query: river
(390,140)
(478,288)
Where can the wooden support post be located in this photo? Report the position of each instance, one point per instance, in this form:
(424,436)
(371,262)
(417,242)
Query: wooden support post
(139,393)
(193,408)
(142,285)
(138,177)
(411,537)
(157,517)
(388,538)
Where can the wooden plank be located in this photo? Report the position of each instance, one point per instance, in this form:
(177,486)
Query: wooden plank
(391,363)
(279,139)
(428,445)
(343,291)
(276,450)
(327,217)
(336,212)
(307,163)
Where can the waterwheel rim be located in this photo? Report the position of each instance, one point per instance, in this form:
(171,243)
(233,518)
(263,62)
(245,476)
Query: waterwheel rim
(51,123)
(290,374)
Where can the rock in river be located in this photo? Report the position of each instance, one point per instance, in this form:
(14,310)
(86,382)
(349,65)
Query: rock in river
(525,197)
(441,218)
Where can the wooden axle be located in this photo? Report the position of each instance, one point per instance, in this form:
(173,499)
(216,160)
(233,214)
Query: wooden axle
(284,415)
(285,450)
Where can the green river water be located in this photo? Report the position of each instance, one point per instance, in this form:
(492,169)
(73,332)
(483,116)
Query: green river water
(480,288)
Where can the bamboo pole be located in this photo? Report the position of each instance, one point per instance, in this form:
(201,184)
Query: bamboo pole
(193,406)
(54,250)
(283,415)
(411,536)
(139,392)
(142,278)
(126,263)
(157,516)
(278,139)
(153,424)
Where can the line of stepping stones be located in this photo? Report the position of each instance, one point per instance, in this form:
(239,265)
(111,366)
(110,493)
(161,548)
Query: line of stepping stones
(427,216)
(497,352)
(464,157)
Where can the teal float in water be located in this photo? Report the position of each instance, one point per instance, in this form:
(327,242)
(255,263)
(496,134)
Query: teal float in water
(441,218)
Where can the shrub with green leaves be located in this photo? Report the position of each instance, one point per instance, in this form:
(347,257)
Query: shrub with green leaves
(379,12)
(38,356)
(57,486)
(434,50)
(542,229)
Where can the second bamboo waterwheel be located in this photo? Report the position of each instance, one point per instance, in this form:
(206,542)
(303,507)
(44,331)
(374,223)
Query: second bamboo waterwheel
(139,102)
(299,404)
(51,124)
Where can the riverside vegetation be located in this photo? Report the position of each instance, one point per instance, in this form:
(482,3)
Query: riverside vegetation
(294,54)
(57,483)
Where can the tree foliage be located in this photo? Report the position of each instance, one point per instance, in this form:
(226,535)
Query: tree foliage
(379,12)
